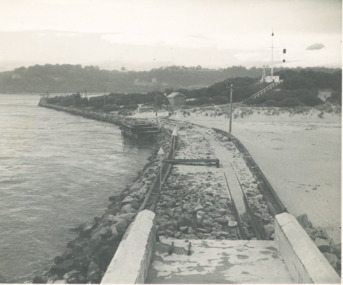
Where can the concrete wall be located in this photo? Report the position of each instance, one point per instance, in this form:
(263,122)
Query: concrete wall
(305,262)
(132,259)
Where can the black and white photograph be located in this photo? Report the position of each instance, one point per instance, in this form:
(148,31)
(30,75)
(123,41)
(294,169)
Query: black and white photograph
(170,142)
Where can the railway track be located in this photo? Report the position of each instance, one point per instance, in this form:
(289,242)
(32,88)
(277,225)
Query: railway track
(274,203)
(248,225)
(269,195)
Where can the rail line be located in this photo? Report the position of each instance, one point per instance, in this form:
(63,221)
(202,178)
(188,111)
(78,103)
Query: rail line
(273,201)
(243,213)
(248,225)
(249,219)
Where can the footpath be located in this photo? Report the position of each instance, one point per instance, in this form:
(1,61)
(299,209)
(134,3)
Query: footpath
(218,262)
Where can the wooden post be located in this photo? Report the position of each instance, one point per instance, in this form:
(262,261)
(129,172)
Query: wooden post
(161,153)
(174,135)
(156,103)
(230,126)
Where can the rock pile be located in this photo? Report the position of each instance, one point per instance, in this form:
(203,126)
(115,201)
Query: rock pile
(325,244)
(195,205)
(194,144)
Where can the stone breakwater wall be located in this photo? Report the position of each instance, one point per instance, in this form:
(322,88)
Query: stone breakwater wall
(89,114)
(87,257)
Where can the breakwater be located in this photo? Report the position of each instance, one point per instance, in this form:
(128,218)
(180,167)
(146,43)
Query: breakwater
(195,216)
(86,258)
(89,114)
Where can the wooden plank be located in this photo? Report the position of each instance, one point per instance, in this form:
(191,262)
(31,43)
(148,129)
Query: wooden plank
(194,161)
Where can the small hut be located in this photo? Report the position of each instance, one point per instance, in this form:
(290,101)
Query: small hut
(176,99)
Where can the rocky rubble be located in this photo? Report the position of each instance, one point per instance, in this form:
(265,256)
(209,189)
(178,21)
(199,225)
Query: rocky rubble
(250,186)
(194,145)
(195,205)
(86,258)
(325,244)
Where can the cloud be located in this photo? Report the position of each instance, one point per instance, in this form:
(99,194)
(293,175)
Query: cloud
(156,39)
(315,46)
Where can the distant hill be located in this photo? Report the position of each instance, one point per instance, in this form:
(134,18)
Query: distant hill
(68,78)
(299,87)
(75,78)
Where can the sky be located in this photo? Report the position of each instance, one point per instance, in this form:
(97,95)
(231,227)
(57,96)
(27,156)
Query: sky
(141,34)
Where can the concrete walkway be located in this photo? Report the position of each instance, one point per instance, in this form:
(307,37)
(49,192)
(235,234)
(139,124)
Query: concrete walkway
(217,262)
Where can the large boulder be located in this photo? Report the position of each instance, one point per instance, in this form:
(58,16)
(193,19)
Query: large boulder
(104,256)
(333,260)
(109,219)
(114,209)
(127,208)
(303,221)
(128,217)
(93,273)
(121,226)
(71,276)
(63,267)
(115,198)
(337,250)
(222,220)
(129,199)
(322,244)
(185,220)
(321,233)
(269,230)
(136,186)
(86,229)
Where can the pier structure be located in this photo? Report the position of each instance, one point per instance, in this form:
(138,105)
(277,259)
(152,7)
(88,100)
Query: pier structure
(139,130)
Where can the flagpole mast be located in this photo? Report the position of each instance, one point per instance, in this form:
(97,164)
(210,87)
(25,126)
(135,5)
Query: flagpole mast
(272,54)
(230,124)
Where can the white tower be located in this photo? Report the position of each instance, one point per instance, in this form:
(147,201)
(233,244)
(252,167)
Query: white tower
(272,65)
(272,78)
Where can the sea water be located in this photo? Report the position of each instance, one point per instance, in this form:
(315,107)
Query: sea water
(56,172)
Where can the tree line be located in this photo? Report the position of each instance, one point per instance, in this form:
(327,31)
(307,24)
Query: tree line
(67,78)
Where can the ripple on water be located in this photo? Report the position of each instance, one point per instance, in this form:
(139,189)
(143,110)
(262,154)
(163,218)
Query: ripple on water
(57,171)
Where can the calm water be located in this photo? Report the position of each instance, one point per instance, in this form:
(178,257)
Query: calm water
(56,172)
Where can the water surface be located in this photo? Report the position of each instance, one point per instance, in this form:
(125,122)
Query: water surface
(57,171)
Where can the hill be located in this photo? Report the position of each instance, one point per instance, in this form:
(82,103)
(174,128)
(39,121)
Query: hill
(68,78)
(303,87)
(300,87)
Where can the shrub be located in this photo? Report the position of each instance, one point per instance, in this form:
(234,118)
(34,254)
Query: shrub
(271,103)
(336,97)
(290,102)
(308,97)
(111,107)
